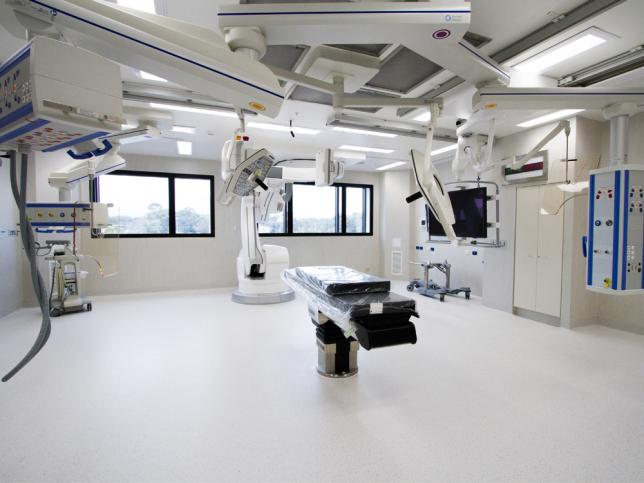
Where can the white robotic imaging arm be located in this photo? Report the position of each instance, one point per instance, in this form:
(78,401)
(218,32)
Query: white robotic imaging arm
(429,183)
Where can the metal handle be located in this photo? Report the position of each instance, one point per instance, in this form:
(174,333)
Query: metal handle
(416,196)
(101,151)
(73,155)
(584,245)
(261,184)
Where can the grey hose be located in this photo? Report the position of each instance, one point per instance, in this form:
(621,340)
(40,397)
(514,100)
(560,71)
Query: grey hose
(29,244)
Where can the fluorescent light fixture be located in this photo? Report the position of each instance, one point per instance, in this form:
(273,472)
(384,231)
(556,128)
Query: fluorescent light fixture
(127,127)
(197,110)
(390,166)
(364,131)
(184,129)
(349,147)
(446,149)
(278,127)
(553,116)
(142,5)
(152,77)
(424,117)
(184,148)
(563,51)
(350,155)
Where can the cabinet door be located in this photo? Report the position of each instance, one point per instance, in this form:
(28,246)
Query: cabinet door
(526,247)
(549,255)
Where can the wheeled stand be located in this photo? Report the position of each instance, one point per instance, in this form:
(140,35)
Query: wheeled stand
(57,311)
(428,288)
(65,295)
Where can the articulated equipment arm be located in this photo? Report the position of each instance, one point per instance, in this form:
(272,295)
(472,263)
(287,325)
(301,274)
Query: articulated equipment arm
(429,183)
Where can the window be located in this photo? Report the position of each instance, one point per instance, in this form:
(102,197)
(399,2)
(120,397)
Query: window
(315,209)
(274,223)
(357,210)
(341,209)
(158,204)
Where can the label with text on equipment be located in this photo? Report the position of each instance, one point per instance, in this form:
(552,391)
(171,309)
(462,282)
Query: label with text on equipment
(375,308)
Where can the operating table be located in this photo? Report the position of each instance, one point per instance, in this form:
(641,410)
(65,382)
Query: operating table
(351,309)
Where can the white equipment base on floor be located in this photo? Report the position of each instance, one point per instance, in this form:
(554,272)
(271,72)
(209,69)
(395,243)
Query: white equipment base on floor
(267,290)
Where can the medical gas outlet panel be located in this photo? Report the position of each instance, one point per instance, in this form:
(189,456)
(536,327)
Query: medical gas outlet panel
(54,95)
(68,215)
(615,253)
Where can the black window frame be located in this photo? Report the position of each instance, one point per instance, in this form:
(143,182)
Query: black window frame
(172,228)
(340,213)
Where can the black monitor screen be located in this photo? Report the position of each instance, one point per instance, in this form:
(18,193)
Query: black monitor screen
(470,213)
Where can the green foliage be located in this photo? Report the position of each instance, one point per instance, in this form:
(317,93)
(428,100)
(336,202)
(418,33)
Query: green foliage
(314,225)
(189,221)
(157,221)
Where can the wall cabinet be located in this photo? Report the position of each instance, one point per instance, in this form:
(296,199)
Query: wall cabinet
(538,251)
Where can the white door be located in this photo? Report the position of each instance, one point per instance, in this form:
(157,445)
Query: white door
(526,247)
(550,254)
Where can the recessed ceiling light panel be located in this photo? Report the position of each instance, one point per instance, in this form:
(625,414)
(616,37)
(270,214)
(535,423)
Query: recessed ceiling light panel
(196,110)
(184,148)
(390,166)
(365,149)
(446,149)
(152,77)
(350,155)
(567,49)
(424,117)
(365,131)
(184,129)
(553,116)
(277,127)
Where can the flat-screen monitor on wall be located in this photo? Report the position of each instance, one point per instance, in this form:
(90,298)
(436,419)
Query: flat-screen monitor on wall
(470,213)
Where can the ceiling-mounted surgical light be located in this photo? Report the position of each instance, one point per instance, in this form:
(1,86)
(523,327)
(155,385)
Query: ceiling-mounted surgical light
(364,149)
(197,110)
(553,116)
(147,76)
(366,132)
(391,166)
(565,50)
(277,127)
(142,5)
(184,148)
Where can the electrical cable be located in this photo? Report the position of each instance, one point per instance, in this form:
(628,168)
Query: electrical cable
(51,290)
(29,244)
(566,201)
(40,248)
(101,269)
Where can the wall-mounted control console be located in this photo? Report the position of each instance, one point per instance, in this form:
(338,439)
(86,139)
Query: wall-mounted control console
(616,230)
